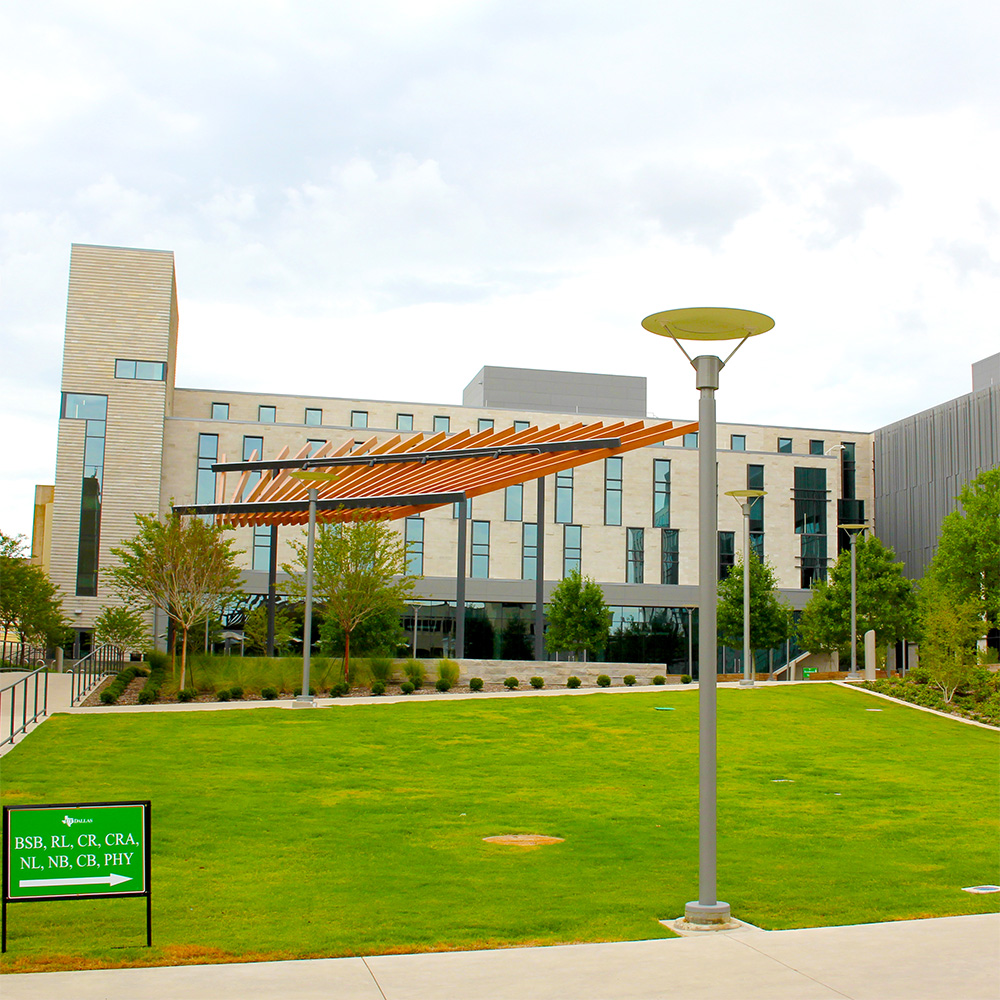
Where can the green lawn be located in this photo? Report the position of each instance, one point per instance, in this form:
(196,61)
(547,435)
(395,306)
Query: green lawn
(358,829)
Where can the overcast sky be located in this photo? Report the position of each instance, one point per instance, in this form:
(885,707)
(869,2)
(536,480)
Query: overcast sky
(376,199)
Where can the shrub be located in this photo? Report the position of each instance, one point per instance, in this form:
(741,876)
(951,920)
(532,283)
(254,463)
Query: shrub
(186,694)
(475,683)
(156,659)
(917,675)
(511,683)
(537,682)
(378,687)
(443,684)
(572,682)
(108,697)
(629,680)
(236,693)
(659,679)
(448,671)
(414,670)
(223,695)
(268,694)
(380,668)
(407,687)
(603,681)
(339,689)
(151,689)
(685,678)
(114,690)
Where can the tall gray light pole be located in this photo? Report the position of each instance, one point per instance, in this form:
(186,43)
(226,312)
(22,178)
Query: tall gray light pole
(305,699)
(854,530)
(744,498)
(710,324)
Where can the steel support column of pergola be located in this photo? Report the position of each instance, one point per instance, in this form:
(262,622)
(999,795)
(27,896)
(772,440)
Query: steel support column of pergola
(460,573)
(540,571)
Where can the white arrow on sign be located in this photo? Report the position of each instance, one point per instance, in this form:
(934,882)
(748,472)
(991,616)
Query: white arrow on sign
(37,883)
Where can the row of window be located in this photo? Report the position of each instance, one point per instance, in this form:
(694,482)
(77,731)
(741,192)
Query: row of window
(738,442)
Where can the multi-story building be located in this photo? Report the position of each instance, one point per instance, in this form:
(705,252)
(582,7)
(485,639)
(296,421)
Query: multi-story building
(131,441)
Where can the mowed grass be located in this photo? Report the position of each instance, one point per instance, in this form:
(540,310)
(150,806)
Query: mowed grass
(358,829)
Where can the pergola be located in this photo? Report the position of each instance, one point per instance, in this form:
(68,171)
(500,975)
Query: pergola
(400,477)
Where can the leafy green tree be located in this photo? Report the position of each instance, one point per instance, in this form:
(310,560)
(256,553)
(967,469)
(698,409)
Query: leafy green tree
(967,560)
(30,606)
(771,620)
(183,566)
(255,628)
(380,634)
(948,640)
(886,602)
(122,626)
(514,642)
(359,570)
(579,620)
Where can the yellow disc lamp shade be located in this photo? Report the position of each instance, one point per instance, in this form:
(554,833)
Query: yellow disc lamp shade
(708,323)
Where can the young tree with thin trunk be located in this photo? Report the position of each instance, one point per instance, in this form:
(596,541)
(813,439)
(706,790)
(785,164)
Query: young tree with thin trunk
(578,619)
(122,626)
(29,603)
(771,620)
(359,570)
(183,566)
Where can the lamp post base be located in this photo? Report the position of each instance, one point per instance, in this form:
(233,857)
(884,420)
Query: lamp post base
(746,683)
(706,917)
(304,701)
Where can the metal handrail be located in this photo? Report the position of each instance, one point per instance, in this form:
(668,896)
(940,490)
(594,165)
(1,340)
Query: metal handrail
(25,721)
(91,669)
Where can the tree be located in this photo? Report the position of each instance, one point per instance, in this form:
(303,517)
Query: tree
(948,640)
(514,642)
(122,626)
(967,560)
(255,628)
(579,620)
(29,603)
(379,635)
(183,566)
(886,601)
(359,570)
(771,620)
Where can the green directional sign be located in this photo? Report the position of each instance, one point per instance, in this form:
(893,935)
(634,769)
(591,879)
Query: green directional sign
(82,850)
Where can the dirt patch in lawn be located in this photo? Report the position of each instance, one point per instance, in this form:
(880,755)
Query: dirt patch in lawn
(523,839)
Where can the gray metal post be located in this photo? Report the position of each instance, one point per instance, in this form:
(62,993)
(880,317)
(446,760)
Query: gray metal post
(540,571)
(690,612)
(853,675)
(707,910)
(305,699)
(272,588)
(415,611)
(463,509)
(747,671)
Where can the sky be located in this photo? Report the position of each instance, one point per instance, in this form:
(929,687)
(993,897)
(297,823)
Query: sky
(376,199)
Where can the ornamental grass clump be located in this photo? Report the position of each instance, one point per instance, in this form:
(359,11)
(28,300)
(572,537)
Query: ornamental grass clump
(448,670)
(380,668)
(415,673)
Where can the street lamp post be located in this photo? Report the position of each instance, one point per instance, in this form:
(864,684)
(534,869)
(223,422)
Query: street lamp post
(305,699)
(854,530)
(745,498)
(707,324)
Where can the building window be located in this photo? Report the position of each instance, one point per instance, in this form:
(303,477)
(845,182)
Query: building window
(146,371)
(314,445)
(404,421)
(521,425)
(727,552)
(669,556)
(208,455)
(484,424)
(815,447)
(634,570)
(785,446)
(220,411)
(313,417)
(414,538)
(442,424)
(529,551)
(261,562)
(513,502)
(456,508)
(691,440)
(661,493)
(612,491)
(810,523)
(480,550)
(572,549)
(737,442)
(848,471)
(564,496)
(253,451)
(359,418)
(92,409)
(755,481)
(266,414)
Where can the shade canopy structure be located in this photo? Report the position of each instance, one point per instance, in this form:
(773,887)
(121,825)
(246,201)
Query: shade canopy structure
(400,477)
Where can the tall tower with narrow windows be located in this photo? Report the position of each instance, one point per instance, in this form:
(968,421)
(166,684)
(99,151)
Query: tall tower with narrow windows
(117,389)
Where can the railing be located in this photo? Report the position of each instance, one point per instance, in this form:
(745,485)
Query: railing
(91,669)
(20,693)
(19,655)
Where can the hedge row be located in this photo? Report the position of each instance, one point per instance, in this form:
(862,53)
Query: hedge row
(116,688)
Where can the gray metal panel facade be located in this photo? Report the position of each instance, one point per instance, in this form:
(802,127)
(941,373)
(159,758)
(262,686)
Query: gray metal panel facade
(986,373)
(922,462)
(557,392)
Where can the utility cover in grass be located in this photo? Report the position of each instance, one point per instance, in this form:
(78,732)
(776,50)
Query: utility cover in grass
(980,890)
(524,839)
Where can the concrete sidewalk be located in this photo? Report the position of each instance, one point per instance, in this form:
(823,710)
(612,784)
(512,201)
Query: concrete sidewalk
(949,958)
